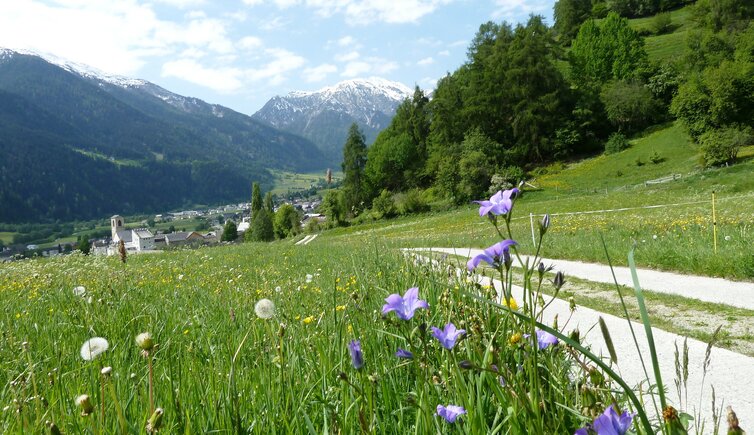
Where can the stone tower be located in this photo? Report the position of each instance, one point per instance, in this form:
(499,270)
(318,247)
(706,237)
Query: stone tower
(116,224)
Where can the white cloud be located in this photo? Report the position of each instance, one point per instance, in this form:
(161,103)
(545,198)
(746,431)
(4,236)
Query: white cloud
(369,67)
(219,79)
(182,4)
(283,61)
(426,61)
(319,73)
(347,57)
(249,43)
(346,41)
(444,53)
(428,83)
(459,43)
(514,10)
(366,11)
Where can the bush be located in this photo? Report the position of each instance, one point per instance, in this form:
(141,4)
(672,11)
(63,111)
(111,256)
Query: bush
(719,147)
(662,23)
(506,178)
(287,222)
(261,229)
(384,205)
(656,158)
(411,201)
(616,143)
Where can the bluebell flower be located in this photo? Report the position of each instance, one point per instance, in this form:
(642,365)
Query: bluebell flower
(448,335)
(357,357)
(450,413)
(609,423)
(405,306)
(499,204)
(403,353)
(497,254)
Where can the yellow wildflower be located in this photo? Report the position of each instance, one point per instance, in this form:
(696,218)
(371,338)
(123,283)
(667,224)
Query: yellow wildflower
(514,339)
(340,308)
(510,303)
(308,320)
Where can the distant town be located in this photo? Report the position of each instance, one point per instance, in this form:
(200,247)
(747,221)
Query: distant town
(153,235)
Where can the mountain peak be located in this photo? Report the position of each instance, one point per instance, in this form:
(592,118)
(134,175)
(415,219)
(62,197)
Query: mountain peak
(75,67)
(325,115)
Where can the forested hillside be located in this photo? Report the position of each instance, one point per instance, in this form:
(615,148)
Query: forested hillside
(77,146)
(532,94)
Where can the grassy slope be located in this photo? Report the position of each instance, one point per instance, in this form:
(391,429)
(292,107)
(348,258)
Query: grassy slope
(666,47)
(684,233)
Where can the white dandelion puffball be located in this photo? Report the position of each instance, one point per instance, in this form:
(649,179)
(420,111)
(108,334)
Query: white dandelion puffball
(145,341)
(278,289)
(79,291)
(728,238)
(93,347)
(309,277)
(265,308)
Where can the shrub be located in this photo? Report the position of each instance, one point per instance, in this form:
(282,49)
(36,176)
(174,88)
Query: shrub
(616,143)
(287,221)
(662,23)
(656,158)
(384,205)
(506,178)
(411,201)
(720,147)
(261,229)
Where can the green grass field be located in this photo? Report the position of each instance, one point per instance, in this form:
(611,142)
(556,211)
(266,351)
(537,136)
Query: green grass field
(7,237)
(293,182)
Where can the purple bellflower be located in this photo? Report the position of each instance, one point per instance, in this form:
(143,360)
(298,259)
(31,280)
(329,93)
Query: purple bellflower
(545,339)
(448,335)
(494,255)
(357,357)
(450,413)
(500,203)
(405,306)
(403,353)
(609,423)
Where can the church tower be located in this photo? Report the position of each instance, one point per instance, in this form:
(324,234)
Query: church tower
(116,224)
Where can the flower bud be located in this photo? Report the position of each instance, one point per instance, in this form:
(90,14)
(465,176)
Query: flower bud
(559,280)
(155,421)
(145,341)
(572,304)
(575,335)
(466,364)
(85,403)
(733,427)
(53,428)
(544,224)
(106,371)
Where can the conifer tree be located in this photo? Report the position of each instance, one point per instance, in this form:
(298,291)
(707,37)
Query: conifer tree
(354,162)
(256,198)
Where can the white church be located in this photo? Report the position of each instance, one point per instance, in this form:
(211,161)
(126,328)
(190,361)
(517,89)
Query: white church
(135,240)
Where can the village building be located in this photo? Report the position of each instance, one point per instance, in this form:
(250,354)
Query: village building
(135,240)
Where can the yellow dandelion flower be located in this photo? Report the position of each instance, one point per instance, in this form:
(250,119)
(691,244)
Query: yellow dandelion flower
(514,339)
(340,308)
(350,329)
(511,303)
(308,320)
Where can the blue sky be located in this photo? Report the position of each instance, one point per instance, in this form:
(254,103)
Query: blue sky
(240,53)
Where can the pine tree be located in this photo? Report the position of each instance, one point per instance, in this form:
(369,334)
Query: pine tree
(269,204)
(230,232)
(354,162)
(261,229)
(256,198)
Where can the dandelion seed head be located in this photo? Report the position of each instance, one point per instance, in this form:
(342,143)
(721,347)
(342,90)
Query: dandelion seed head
(145,341)
(79,291)
(93,347)
(264,308)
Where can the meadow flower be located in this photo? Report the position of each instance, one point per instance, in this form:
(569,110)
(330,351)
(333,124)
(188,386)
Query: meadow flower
(308,320)
(79,290)
(403,353)
(450,413)
(448,335)
(145,341)
(405,306)
(357,357)
(545,339)
(309,277)
(510,303)
(93,347)
(264,308)
(278,289)
(85,403)
(493,255)
(499,203)
(609,423)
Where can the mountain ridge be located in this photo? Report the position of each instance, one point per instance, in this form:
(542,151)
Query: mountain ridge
(324,116)
(181,150)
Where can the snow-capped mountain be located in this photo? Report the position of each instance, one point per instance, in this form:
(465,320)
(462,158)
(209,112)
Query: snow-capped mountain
(76,143)
(324,116)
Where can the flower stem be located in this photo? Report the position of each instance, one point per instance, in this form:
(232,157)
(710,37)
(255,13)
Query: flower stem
(151,383)
(118,409)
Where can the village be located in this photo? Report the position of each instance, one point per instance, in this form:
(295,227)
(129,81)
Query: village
(150,236)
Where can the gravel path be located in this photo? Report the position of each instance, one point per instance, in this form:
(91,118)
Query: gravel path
(716,290)
(728,371)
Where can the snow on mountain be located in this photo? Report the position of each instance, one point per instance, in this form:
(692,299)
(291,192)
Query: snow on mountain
(77,68)
(325,115)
